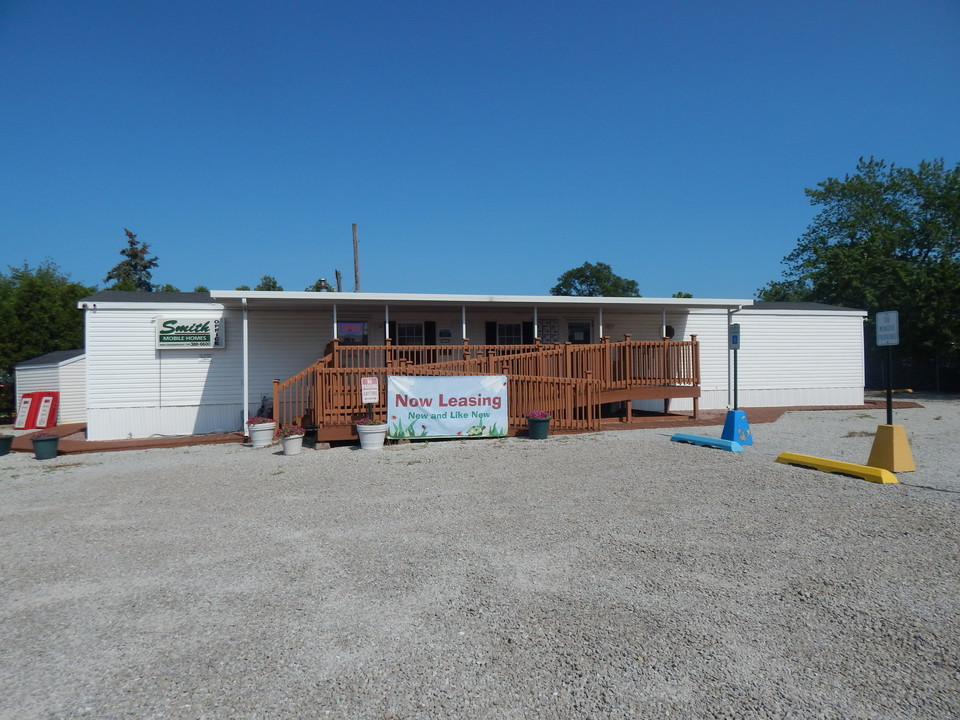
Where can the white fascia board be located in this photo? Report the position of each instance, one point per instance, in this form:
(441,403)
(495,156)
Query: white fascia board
(351,297)
(826,312)
(101,305)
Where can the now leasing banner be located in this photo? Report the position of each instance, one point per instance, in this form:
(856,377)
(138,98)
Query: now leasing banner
(179,333)
(447,407)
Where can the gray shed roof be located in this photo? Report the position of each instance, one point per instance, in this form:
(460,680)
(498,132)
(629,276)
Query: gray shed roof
(52,358)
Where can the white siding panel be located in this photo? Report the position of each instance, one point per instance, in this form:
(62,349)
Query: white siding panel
(73,394)
(37,378)
(136,390)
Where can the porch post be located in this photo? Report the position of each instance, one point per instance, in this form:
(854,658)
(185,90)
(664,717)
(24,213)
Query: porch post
(536,324)
(246,369)
(335,336)
(386,322)
(463,322)
(599,322)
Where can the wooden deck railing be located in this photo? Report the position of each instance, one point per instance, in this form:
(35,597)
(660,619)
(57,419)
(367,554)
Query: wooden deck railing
(568,379)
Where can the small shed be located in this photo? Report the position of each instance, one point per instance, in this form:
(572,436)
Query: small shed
(62,371)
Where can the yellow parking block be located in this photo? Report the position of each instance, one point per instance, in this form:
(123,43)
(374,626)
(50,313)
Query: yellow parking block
(865,472)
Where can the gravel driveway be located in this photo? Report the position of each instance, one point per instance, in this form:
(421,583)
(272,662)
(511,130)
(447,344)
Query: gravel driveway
(607,575)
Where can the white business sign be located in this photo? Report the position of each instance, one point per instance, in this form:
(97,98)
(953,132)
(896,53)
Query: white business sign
(177,333)
(444,407)
(888,328)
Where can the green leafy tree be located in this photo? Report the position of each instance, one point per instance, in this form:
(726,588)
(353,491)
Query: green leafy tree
(39,314)
(594,280)
(134,272)
(243,287)
(682,294)
(268,283)
(201,288)
(885,238)
(166,288)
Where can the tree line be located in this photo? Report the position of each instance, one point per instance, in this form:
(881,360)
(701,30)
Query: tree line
(884,238)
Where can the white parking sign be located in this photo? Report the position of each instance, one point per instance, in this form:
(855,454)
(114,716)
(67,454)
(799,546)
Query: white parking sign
(888,328)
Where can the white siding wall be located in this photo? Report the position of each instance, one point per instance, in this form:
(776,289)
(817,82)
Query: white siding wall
(135,390)
(73,393)
(37,378)
(785,358)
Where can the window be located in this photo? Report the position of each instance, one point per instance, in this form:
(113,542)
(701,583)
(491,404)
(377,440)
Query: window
(509,333)
(578,332)
(409,333)
(352,333)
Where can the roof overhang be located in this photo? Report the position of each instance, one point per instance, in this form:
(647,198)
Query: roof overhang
(281,299)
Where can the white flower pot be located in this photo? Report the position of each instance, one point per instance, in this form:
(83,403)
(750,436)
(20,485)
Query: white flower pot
(372,436)
(261,435)
(292,445)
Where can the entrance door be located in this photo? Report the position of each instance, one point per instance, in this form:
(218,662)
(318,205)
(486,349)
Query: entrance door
(579,332)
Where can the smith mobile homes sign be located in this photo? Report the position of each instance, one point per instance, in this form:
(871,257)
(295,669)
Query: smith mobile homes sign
(185,333)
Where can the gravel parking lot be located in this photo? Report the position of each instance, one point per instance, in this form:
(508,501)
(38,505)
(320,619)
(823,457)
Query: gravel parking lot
(605,575)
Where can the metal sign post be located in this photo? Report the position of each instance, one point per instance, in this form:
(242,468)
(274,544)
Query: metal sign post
(734,332)
(736,428)
(369,393)
(888,334)
(891,450)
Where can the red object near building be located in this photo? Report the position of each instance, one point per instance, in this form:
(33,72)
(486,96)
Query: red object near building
(37,410)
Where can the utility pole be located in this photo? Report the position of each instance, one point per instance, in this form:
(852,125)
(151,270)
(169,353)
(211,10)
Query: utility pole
(356,260)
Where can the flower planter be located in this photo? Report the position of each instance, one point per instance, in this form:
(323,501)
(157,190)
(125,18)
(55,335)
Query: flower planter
(537,429)
(261,435)
(45,448)
(292,445)
(5,442)
(372,436)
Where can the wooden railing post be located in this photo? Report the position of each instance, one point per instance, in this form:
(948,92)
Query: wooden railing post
(276,399)
(335,352)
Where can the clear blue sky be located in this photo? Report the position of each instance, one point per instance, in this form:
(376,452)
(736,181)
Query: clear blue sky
(481,147)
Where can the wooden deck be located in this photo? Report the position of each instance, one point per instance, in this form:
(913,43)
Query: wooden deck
(571,381)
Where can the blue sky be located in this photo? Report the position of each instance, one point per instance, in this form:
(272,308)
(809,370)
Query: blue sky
(481,147)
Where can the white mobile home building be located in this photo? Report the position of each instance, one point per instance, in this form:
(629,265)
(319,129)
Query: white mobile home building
(194,363)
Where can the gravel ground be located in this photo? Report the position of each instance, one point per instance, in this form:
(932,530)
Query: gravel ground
(607,575)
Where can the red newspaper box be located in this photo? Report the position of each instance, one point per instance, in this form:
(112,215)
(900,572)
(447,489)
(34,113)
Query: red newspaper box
(27,412)
(48,402)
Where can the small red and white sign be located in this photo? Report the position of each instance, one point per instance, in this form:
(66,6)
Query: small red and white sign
(369,390)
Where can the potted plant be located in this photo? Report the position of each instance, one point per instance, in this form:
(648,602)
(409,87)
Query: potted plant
(538,423)
(5,442)
(261,430)
(291,437)
(372,432)
(45,445)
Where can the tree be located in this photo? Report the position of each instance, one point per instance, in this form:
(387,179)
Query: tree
(594,280)
(39,314)
(134,271)
(682,294)
(268,283)
(243,287)
(201,288)
(885,238)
